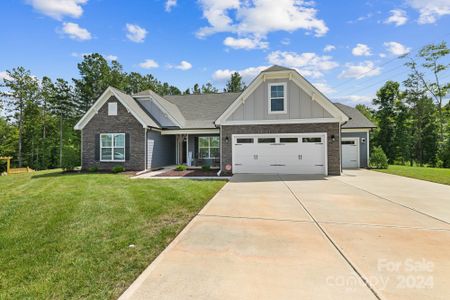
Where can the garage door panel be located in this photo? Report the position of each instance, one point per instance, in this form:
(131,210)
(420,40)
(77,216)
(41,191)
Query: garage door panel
(350,153)
(283,154)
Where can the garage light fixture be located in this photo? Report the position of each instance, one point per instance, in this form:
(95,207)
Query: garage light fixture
(332,138)
(226,140)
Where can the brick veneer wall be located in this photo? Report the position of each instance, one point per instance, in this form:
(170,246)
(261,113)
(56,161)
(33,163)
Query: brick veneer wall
(334,157)
(124,122)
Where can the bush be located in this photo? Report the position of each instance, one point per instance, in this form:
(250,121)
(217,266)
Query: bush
(181,168)
(93,169)
(206,167)
(378,159)
(118,169)
(70,160)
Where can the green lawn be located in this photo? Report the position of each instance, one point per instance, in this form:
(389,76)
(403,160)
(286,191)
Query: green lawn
(438,175)
(68,235)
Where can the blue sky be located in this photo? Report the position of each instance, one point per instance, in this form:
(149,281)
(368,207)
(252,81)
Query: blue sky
(346,48)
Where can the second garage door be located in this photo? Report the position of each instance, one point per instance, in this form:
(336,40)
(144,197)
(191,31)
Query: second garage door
(280,153)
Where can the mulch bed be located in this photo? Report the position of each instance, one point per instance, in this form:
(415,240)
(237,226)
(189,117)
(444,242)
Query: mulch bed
(189,173)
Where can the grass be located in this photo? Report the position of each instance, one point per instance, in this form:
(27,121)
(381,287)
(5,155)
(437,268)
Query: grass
(68,235)
(438,175)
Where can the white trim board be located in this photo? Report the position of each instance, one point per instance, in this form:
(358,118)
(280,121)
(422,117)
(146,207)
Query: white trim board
(296,78)
(190,131)
(355,130)
(285,121)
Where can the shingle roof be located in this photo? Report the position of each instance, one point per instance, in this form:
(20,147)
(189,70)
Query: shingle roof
(357,119)
(200,111)
(276,68)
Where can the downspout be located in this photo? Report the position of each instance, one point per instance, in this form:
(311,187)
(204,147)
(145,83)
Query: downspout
(146,149)
(220,150)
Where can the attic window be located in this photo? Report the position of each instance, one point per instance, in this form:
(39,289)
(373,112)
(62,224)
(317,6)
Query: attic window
(277,98)
(112,109)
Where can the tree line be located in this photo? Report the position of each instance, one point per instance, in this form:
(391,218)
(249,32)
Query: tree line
(413,119)
(37,115)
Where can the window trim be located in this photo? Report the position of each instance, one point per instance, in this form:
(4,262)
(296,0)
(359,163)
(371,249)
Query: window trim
(209,147)
(112,108)
(269,98)
(113,147)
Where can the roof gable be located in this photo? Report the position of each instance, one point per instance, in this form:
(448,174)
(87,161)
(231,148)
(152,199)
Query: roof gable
(126,100)
(277,72)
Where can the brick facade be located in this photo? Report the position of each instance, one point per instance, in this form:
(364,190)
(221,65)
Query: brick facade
(334,157)
(124,122)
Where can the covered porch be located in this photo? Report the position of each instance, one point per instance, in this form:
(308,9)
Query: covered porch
(197,148)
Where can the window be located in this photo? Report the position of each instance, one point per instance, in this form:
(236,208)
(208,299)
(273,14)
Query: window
(266,140)
(312,140)
(112,109)
(348,142)
(208,147)
(288,140)
(277,98)
(244,141)
(112,147)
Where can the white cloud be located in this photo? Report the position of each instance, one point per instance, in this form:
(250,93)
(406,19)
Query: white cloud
(361,70)
(308,63)
(361,18)
(329,48)
(260,17)
(57,9)
(170,4)
(324,88)
(5,75)
(245,43)
(183,65)
(136,33)
(382,55)
(396,48)
(430,10)
(397,17)
(148,64)
(111,57)
(75,32)
(361,50)
(247,74)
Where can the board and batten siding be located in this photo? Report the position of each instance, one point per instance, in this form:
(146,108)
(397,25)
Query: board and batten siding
(160,149)
(299,104)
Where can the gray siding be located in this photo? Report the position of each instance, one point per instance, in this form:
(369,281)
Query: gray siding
(362,146)
(299,104)
(124,122)
(334,158)
(160,149)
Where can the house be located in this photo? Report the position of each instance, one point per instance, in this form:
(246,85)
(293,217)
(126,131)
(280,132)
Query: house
(280,123)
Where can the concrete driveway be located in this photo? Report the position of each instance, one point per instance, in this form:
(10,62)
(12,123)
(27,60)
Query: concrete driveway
(363,235)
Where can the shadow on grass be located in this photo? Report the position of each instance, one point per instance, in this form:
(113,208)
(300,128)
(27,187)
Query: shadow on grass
(57,174)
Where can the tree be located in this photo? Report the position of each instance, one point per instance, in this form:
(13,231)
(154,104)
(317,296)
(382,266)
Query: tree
(402,132)
(196,89)
(62,106)
(386,98)
(208,88)
(95,78)
(431,57)
(423,132)
(22,93)
(235,84)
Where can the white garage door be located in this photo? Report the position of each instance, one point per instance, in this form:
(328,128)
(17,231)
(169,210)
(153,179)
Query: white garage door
(280,153)
(350,153)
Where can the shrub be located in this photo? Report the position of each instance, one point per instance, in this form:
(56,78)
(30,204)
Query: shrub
(93,169)
(206,167)
(70,160)
(180,168)
(378,159)
(118,169)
